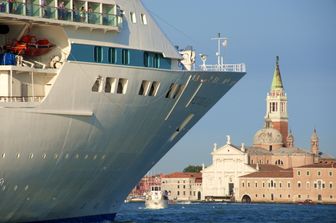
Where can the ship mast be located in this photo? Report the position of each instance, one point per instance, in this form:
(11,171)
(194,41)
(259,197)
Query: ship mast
(220,41)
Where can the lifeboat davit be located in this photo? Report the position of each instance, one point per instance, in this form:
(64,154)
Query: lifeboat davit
(30,46)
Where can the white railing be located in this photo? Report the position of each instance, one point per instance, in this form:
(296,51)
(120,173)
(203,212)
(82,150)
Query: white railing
(21,98)
(224,67)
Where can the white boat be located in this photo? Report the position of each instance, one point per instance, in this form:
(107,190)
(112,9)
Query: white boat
(83,120)
(156,198)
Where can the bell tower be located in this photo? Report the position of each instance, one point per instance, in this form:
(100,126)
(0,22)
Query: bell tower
(276,104)
(314,141)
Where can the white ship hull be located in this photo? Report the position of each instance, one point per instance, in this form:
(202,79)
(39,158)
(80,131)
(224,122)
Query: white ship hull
(75,155)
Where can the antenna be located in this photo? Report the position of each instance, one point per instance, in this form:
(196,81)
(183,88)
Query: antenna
(220,41)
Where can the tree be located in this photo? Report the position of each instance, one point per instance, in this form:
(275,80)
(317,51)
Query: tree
(192,169)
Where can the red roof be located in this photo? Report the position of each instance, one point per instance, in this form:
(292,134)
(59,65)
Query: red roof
(267,170)
(319,165)
(183,175)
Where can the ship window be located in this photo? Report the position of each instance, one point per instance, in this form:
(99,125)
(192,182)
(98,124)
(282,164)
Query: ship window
(146,59)
(156,61)
(144,19)
(122,86)
(97,86)
(112,55)
(178,91)
(98,54)
(125,57)
(171,91)
(154,88)
(110,85)
(144,88)
(133,17)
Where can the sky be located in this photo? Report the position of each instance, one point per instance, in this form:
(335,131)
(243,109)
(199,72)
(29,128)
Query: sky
(302,33)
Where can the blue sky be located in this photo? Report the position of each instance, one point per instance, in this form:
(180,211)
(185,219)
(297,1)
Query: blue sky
(301,32)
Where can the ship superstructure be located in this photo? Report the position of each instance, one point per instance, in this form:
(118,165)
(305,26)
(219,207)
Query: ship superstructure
(91,97)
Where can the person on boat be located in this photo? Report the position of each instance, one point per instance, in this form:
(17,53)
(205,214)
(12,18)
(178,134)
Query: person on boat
(90,15)
(44,8)
(61,11)
(11,6)
(82,14)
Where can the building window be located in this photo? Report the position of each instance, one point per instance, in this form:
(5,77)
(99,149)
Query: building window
(331,196)
(308,173)
(184,193)
(288,185)
(263,195)
(125,57)
(308,185)
(298,173)
(178,193)
(243,185)
(144,19)
(288,195)
(319,173)
(112,55)
(330,185)
(98,54)
(248,184)
(299,196)
(315,185)
(280,195)
(256,195)
(330,173)
(178,186)
(323,185)
(299,184)
(256,184)
(133,17)
(280,185)
(263,184)
(183,186)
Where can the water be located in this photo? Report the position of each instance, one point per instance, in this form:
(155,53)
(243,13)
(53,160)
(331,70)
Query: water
(233,212)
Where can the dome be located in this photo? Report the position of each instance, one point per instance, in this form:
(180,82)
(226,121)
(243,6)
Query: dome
(267,136)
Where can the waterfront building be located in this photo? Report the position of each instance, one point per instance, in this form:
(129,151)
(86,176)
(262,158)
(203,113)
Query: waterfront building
(269,167)
(310,183)
(182,186)
(145,185)
(220,179)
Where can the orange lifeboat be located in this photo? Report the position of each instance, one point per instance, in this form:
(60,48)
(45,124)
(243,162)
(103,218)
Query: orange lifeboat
(30,46)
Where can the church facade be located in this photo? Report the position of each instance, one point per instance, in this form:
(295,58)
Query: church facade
(266,171)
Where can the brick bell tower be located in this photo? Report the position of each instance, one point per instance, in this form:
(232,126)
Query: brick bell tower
(276,104)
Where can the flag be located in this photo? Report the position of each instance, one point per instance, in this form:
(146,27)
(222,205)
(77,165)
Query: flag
(224,43)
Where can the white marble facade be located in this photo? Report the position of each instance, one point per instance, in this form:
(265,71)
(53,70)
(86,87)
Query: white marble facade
(229,162)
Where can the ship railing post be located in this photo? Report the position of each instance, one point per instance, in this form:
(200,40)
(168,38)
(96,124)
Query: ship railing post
(32,87)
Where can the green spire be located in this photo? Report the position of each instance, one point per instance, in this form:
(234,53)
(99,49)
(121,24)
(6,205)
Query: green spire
(277,82)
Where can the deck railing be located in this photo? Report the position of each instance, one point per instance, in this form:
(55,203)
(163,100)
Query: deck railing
(65,14)
(21,98)
(224,67)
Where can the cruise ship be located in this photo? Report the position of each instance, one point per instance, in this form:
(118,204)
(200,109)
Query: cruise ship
(92,95)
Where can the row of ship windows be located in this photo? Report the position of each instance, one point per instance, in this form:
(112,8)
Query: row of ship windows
(143,18)
(147,88)
(150,59)
(56,156)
